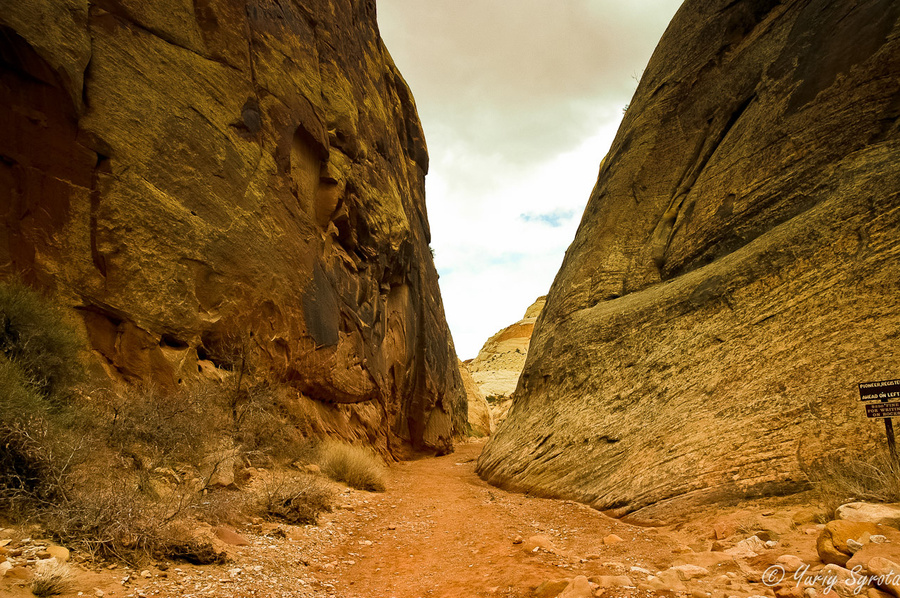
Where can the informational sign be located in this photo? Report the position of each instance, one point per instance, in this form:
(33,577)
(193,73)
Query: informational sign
(884,390)
(882,401)
(882,409)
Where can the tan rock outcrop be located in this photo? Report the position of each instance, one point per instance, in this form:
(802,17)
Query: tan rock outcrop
(735,271)
(481,422)
(215,180)
(499,363)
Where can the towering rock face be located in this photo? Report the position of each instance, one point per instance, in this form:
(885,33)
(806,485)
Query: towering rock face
(499,363)
(203,178)
(736,272)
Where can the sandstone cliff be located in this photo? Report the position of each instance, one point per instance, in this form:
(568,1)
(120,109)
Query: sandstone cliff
(481,419)
(192,177)
(499,363)
(735,273)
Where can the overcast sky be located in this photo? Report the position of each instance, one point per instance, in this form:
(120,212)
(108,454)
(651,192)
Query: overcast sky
(520,100)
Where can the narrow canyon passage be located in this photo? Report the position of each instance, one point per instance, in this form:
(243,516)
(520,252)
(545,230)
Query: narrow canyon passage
(441,531)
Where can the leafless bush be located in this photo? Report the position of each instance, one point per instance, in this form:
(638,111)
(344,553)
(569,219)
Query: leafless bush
(296,498)
(839,480)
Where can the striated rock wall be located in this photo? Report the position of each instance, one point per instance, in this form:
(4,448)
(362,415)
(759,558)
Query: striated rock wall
(481,419)
(736,271)
(498,365)
(197,179)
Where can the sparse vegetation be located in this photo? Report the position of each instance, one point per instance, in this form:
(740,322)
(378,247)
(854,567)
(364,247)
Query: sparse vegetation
(837,480)
(297,498)
(123,473)
(50,578)
(356,466)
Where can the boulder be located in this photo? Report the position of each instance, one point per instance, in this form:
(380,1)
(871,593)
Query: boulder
(204,184)
(743,223)
(832,542)
(886,514)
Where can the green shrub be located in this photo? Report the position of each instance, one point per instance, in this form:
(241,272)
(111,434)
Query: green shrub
(356,466)
(34,335)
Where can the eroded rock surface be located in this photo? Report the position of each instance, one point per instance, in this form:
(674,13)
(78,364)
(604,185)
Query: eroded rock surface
(481,420)
(735,273)
(206,180)
(499,363)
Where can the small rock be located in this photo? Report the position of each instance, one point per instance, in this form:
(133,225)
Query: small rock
(853,545)
(612,539)
(747,548)
(518,540)
(60,553)
(99,593)
(235,572)
(146,574)
(5,566)
(551,589)
(878,539)
(612,581)
(790,563)
(579,587)
(771,544)
(640,570)
(230,537)
(689,572)
(538,542)
(804,516)
(723,529)
(313,468)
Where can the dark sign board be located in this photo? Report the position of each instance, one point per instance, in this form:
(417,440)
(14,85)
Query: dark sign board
(882,409)
(879,391)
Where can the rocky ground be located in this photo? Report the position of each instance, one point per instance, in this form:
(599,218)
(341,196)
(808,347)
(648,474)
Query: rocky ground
(440,531)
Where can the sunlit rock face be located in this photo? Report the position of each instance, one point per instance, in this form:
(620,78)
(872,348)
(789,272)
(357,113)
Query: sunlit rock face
(194,176)
(499,363)
(736,271)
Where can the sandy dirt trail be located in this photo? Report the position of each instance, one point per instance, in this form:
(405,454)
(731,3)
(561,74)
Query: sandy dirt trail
(440,531)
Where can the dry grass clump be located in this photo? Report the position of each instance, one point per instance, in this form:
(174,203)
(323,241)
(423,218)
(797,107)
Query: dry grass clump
(874,477)
(297,498)
(356,466)
(50,578)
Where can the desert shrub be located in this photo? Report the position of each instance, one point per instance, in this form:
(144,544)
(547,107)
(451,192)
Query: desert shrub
(158,428)
(873,477)
(34,335)
(50,578)
(356,466)
(296,498)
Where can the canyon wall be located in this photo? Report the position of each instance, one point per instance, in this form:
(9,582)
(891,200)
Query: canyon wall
(735,274)
(498,365)
(211,180)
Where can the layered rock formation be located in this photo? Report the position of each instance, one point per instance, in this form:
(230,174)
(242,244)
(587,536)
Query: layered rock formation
(228,179)
(481,420)
(735,273)
(499,363)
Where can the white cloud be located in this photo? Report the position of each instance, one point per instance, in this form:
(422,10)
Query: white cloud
(520,100)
